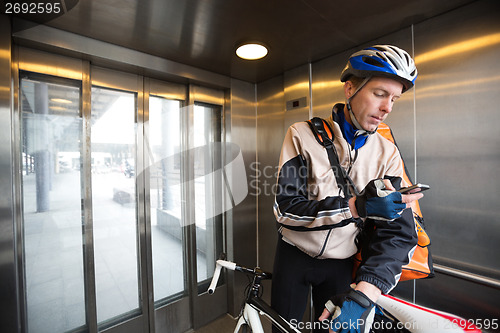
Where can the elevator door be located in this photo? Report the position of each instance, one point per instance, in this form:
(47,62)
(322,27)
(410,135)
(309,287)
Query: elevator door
(52,213)
(114,204)
(187,237)
(121,221)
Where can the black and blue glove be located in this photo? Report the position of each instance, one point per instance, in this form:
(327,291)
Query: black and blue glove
(378,203)
(352,312)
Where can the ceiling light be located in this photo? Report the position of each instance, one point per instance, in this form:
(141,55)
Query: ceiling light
(251,51)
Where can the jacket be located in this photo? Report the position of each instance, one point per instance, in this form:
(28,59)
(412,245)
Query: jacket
(313,214)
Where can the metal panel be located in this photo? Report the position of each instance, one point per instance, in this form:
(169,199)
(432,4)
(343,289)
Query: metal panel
(147,251)
(242,219)
(402,117)
(207,95)
(50,64)
(173,317)
(167,90)
(457,55)
(9,319)
(132,325)
(109,54)
(296,88)
(457,152)
(88,227)
(467,299)
(327,90)
(115,80)
(270,135)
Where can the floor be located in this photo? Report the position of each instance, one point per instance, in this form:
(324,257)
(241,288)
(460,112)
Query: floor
(54,262)
(226,324)
(223,324)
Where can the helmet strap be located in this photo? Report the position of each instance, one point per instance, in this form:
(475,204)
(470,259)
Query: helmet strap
(351,114)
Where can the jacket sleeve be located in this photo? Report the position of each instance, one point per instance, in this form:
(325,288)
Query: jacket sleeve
(388,247)
(293,209)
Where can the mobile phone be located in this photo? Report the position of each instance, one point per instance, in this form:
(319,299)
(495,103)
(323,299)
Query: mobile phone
(414,189)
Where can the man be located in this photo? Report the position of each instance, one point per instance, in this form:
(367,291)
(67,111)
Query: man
(319,223)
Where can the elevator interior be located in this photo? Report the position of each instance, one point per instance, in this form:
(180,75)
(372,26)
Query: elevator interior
(165,71)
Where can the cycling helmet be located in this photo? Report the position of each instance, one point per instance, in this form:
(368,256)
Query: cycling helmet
(382,60)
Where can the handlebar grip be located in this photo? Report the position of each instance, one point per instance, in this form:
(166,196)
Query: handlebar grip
(215,279)
(218,266)
(227,264)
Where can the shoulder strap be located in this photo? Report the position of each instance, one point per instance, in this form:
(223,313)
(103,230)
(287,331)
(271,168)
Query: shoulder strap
(322,131)
(324,135)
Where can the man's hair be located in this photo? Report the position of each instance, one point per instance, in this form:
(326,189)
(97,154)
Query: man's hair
(356,80)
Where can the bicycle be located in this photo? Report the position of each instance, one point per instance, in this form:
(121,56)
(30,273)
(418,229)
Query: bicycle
(398,315)
(254,306)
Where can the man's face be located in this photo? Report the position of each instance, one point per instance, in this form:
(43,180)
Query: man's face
(374,101)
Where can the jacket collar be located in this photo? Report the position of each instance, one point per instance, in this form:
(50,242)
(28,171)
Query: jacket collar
(356,138)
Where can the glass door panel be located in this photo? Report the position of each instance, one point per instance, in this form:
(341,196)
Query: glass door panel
(52,216)
(163,152)
(208,189)
(113,142)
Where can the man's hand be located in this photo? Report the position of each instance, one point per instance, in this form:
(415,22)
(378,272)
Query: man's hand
(380,201)
(351,312)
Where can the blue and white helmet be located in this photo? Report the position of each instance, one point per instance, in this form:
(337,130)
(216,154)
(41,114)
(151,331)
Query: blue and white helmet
(382,60)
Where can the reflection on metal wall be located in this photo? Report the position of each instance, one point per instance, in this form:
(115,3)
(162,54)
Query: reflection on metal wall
(457,135)
(457,148)
(9,317)
(242,239)
(297,101)
(270,134)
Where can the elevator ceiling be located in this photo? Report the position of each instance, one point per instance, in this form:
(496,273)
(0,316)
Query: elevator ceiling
(204,33)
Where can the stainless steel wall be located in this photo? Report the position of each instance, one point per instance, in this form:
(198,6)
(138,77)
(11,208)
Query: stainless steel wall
(241,226)
(446,130)
(270,133)
(458,153)
(8,301)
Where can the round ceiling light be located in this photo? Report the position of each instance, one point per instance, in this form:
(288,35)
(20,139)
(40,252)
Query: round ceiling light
(251,51)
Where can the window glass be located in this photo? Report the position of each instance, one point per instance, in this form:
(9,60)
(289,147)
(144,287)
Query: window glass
(114,208)
(52,216)
(207,186)
(163,153)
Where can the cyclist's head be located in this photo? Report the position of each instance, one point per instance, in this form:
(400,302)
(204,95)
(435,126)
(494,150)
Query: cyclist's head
(381,60)
(378,61)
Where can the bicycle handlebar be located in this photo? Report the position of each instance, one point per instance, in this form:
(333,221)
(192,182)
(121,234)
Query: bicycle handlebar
(218,265)
(232,266)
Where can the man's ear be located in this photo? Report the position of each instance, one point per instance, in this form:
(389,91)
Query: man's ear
(348,89)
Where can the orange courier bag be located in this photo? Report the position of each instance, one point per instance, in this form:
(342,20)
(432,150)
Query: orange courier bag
(420,265)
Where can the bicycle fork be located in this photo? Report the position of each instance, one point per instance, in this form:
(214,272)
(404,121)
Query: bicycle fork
(250,317)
